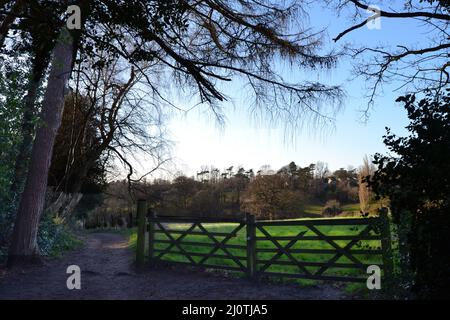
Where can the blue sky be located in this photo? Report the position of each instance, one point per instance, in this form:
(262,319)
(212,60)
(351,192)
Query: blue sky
(241,142)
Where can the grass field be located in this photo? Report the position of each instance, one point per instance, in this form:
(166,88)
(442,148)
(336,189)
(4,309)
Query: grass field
(265,244)
(349,209)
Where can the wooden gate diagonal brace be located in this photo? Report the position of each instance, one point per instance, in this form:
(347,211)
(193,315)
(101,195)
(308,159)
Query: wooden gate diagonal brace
(280,253)
(342,251)
(220,244)
(282,249)
(176,242)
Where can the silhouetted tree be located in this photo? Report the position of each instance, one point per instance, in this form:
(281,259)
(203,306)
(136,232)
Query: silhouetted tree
(416,179)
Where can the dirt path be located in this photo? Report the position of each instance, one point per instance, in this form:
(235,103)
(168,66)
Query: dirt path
(105,262)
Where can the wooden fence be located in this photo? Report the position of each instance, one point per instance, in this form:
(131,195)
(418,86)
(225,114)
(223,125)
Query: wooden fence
(317,249)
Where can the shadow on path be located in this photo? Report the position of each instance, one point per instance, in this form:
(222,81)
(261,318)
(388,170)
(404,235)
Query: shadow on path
(107,273)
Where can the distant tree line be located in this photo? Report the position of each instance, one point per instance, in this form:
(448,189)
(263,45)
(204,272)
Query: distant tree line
(266,193)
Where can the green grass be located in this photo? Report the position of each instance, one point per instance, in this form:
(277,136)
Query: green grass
(350,209)
(313,209)
(353,207)
(131,235)
(317,208)
(263,244)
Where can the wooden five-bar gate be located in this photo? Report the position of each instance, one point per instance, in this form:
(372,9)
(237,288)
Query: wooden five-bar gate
(318,249)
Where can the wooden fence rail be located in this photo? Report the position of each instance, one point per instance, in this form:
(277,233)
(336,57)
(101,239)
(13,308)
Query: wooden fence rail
(256,248)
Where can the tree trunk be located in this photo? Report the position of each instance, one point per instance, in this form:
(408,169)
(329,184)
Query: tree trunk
(68,210)
(28,127)
(24,246)
(40,61)
(21,165)
(64,206)
(55,206)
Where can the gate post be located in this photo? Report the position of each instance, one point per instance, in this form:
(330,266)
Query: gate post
(388,266)
(140,242)
(251,245)
(151,237)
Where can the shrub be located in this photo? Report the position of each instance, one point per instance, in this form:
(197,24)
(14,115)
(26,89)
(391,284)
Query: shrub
(54,237)
(332,208)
